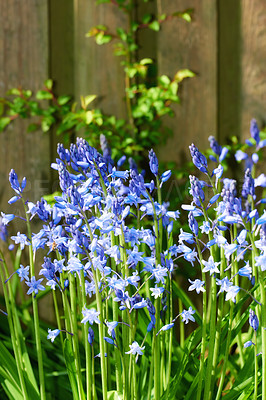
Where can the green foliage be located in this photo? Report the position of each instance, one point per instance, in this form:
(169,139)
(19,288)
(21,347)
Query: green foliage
(147,103)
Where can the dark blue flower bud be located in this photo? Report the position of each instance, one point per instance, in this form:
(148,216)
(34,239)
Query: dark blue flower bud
(90,336)
(193,224)
(198,159)
(154,165)
(248,186)
(253,320)
(254,130)
(214,145)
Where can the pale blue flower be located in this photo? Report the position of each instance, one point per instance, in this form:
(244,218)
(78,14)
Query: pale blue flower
(187,315)
(211,266)
(135,349)
(52,334)
(90,315)
(21,239)
(157,291)
(197,285)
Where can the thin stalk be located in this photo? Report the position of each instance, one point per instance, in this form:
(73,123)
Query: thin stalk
(157,351)
(35,313)
(11,310)
(263,330)
(207,391)
(57,316)
(204,329)
(74,329)
(228,341)
(256,369)
(101,334)
(86,343)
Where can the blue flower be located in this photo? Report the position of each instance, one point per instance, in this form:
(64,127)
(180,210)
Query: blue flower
(34,286)
(253,320)
(187,315)
(90,336)
(196,191)
(154,165)
(157,291)
(111,328)
(248,344)
(231,293)
(193,224)
(197,285)
(135,349)
(21,239)
(90,315)
(254,130)
(23,273)
(211,266)
(52,334)
(261,261)
(198,159)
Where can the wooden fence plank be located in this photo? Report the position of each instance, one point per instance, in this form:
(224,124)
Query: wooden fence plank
(24,62)
(253,61)
(193,46)
(97,70)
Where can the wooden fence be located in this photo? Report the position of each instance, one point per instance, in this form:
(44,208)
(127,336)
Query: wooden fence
(225,45)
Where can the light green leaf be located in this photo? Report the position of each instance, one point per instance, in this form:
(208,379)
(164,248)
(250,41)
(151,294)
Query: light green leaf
(3,123)
(114,395)
(182,74)
(43,95)
(63,100)
(89,117)
(49,84)
(70,364)
(155,26)
(145,61)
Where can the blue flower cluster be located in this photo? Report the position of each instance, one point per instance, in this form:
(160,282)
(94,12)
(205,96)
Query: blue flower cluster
(93,229)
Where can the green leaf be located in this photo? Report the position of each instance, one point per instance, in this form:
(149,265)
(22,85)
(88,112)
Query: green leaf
(4,122)
(14,92)
(155,26)
(49,84)
(43,95)
(182,74)
(47,122)
(114,395)
(186,14)
(89,117)
(1,108)
(145,61)
(70,364)
(102,38)
(63,100)
(85,101)
(122,34)
(164,80)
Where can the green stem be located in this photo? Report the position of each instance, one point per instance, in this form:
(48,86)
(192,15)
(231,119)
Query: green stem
(101,334)
(207,391)
(86,343)
(157,352)
(263,330)
(256,369)
(228,341)
(15,339)
(35,313)
(74,329)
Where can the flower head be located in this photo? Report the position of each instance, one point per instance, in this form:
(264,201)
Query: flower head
(135,349)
